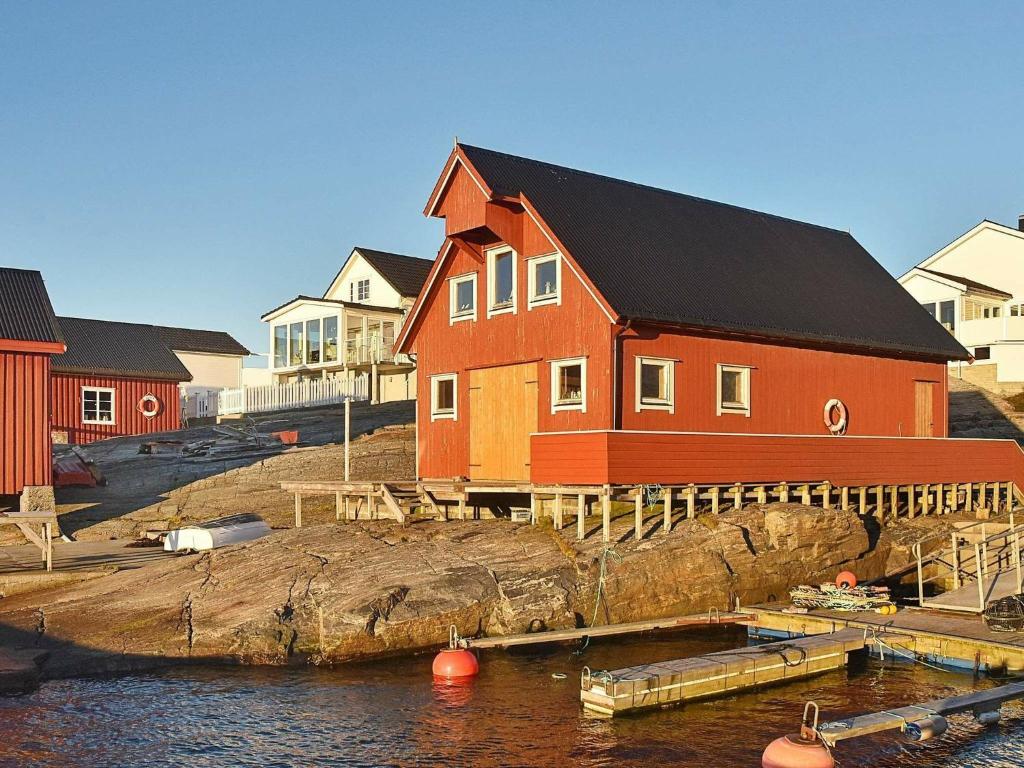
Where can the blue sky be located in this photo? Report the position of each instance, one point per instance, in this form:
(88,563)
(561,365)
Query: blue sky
(199,163)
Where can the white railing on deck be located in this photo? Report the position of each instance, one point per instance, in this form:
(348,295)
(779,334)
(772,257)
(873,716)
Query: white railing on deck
(283,397)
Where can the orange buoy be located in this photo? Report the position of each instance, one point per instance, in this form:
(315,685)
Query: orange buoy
(799,750)
(846,580)
(794,751)
(455,663)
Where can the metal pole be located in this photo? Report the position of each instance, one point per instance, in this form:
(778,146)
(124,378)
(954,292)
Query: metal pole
(1016,557)
(956,561)
(981,578)
(920,575)
(348,432)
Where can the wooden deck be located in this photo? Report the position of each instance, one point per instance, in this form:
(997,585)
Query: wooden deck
(710,619)
(715,674)
(952,640)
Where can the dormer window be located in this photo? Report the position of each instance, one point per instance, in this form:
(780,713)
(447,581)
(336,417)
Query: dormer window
(544,280)
(501,280)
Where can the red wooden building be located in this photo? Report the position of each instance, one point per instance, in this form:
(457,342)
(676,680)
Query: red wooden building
(115,379)
(577,328)
(29,335)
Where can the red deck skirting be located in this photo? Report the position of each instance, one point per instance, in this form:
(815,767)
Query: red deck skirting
(624,458)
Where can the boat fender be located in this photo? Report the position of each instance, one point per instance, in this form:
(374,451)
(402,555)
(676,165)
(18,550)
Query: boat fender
(926,728)
(835,416)
(988,717)
(150,406)
(846,580)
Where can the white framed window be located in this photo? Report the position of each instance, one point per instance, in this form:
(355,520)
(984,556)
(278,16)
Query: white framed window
(359,290)
(501,280)
(98,405)
(734,389)
(544,280)
(462,297)
(444,399)
(655,384)
(313,353)
(569,384)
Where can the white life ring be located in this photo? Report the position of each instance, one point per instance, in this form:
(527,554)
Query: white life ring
(833,407)
(150,406)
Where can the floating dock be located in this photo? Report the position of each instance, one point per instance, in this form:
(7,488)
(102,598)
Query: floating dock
(713,618)
(898,718)
(952,640)
(715,674)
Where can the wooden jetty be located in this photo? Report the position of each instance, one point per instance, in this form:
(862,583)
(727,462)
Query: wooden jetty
(712,618)
(953,640)
(899,717)
(714,674)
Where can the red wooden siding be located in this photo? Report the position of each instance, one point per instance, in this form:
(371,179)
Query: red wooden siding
(25,448)
(577,327)
(789,387)
(67,407)
(622,457)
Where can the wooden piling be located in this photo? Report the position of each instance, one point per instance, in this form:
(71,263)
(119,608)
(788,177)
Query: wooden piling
(581,523)
(667,514)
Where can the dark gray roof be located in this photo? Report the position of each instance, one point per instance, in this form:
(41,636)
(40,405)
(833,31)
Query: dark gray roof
(405,273)
(662,256)
(125,350)
(193,340)
(968,282)
(25,310)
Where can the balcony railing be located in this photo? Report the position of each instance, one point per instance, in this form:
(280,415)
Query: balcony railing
(284,397)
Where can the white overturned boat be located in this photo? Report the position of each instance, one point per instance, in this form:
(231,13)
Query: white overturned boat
(216,533)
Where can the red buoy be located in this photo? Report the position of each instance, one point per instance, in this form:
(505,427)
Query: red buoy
(799,750)
(455,663)
(794,751)
(846,580)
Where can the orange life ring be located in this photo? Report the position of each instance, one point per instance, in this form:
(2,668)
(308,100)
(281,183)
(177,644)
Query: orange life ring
(150,406)
(835,407)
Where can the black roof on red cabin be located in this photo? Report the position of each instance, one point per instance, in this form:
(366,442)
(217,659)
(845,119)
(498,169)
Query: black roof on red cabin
(25,310)
(121,350)
(666,257)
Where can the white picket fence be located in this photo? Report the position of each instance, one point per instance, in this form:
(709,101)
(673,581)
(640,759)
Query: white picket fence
(284,397)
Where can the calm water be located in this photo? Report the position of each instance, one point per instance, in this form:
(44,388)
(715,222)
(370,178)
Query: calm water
(514,714)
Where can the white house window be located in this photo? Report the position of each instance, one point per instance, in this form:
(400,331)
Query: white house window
(544,280)
(280,346)
(97,405)
(462,297)
(569,384)
(359,290)
(313,341)
(443,401)
(330,339)
(501,281)
(655,384)
(734,389)
(295,355)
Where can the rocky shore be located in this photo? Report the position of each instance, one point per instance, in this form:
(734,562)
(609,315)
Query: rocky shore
(334,593)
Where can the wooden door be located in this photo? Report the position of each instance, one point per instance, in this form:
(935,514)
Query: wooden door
(502,416)
(923,413)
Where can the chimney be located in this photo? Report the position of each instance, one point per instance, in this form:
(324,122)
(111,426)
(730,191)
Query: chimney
(1020,222)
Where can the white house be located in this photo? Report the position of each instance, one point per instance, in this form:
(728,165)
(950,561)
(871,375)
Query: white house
(352,327)
(975,287)
(214,358)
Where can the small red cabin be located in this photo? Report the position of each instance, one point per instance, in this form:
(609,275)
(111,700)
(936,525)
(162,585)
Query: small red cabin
(567,303)
(115,379)
(29,335)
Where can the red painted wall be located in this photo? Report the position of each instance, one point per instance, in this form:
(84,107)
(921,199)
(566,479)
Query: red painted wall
(25,448)
(67,407)
(675,458)
(577,327)
(789,387)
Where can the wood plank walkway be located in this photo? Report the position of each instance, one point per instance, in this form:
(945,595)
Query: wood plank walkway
(896,718)
(955,640)
(715,674)
(608,630)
